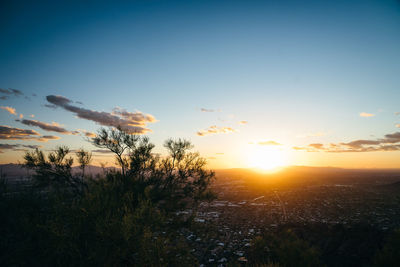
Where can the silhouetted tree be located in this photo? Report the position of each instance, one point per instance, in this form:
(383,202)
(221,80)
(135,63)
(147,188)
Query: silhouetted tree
(84,159)
(53,171)
(174,181)
(125,218)
(117,141)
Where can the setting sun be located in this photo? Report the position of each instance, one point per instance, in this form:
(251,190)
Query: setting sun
(266,158)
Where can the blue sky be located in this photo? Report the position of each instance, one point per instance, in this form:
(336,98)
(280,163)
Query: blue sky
(288,68)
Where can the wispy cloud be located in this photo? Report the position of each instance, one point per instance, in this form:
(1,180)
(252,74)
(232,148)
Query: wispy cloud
(207,110)
(242,122)
(366,115)
(135,118)
(46,138)
(215,130)
(17,147)
(11,133)
(268,143)
(361,143)
(316,146)
(50,106)
(53,127)
(398,125)
(132,122)
(9,110)
(390,142)
(10,91)
(87,133)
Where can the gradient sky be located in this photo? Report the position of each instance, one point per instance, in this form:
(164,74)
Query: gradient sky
(324,73)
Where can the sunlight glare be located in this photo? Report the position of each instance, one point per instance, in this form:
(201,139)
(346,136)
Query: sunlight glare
(266,158)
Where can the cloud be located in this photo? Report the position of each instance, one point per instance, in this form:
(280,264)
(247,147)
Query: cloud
(132,122)
(50,106)
(390,142)
(215,130)
(134,118)
(207,110)
(366,115)
(90,134)
(54,127)
(46,138)
(398,125)
(219,153)
(11,133)
(7,146)
(397,113)
(242,122)
(316,146)
(58,100)
(360,143)
(7,130)
(3,97)
(392,138)
(87,133)
(10,91)
(9,110)
(17,147)
(268,143)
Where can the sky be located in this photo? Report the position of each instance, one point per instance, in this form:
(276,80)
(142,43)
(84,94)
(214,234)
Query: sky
(249,83)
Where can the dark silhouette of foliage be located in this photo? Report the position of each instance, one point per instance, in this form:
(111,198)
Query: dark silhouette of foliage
(125,218)
(330,245)
(117,141)
(54,171)
(285,249)
(389,255)
(172,182)
(84,159)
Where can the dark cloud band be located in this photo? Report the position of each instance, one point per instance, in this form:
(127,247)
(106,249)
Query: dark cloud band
(132,122)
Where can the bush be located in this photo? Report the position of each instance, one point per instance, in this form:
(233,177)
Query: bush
(126,218)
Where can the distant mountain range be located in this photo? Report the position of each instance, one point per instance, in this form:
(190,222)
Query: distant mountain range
(287,176)
(297,175)
(15,171)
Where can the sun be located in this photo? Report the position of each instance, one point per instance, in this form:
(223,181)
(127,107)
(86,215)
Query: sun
(266,158)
